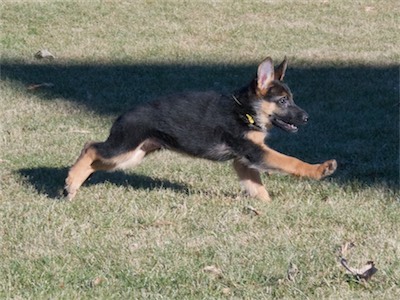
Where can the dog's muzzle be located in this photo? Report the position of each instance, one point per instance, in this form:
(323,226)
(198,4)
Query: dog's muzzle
(290,123)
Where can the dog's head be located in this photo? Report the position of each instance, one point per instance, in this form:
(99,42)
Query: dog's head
(273,101)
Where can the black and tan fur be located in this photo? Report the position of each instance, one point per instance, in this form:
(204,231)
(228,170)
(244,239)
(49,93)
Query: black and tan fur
(211,126)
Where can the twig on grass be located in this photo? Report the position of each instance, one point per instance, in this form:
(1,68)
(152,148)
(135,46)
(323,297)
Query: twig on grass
(33,87)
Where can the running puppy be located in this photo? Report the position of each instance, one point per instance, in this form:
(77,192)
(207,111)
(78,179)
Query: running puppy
(211,126)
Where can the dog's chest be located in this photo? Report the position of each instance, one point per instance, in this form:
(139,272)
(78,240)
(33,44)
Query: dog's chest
(219,152)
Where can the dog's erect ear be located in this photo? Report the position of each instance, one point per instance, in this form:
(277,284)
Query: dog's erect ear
(265,75)
(280,70)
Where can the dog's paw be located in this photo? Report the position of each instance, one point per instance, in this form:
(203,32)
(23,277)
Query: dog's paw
(263,195)
(327,168)
(69,192)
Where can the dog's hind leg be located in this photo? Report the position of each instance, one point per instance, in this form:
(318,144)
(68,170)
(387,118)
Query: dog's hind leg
(251,181)
(91,160)
(82,169)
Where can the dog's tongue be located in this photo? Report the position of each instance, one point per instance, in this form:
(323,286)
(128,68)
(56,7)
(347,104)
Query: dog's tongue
(291,127)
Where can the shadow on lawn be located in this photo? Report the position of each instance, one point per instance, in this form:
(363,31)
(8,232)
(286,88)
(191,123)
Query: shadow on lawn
(354,109)
(49,181)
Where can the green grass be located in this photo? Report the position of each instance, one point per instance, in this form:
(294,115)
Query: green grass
(150,232)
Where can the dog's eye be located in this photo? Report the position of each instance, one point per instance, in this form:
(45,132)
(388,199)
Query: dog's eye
(282,100)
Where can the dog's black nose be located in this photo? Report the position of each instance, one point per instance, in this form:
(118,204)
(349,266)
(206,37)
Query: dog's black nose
(305,118)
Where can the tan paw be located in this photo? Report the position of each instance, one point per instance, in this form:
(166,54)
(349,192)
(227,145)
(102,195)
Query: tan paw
(263,195)
(69,192)
(327,168)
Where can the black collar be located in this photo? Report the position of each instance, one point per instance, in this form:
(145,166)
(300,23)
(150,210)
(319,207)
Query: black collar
(246,116)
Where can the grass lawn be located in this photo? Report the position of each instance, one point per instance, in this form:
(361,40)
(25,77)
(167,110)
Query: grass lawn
(180,228)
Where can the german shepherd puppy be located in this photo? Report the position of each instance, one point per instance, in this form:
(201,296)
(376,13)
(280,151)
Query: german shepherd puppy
(211,126)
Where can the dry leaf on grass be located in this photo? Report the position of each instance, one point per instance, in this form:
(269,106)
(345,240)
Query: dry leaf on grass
(369,8)
(345,248)
(292,272)
(251,210)
(44,53)
(96,281)
(365,272)
(213,270)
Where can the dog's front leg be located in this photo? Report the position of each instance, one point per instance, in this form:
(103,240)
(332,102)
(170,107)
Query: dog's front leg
(273,160)
(251,181)
(277,161)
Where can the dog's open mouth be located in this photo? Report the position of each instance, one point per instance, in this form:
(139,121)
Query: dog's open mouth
(284,125)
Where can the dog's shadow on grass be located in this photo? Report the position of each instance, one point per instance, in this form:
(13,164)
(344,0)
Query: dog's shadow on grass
(354,109)
(50,181)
